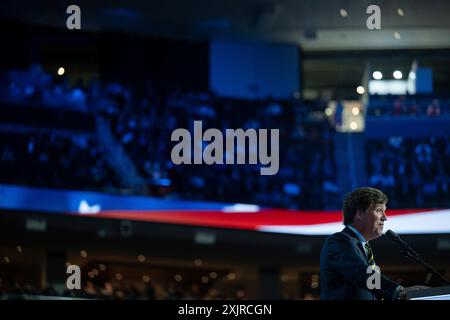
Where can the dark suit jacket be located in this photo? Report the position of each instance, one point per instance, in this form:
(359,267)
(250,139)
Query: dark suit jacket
(343,271)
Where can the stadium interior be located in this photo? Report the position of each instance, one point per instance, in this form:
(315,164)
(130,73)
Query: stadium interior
(86,117)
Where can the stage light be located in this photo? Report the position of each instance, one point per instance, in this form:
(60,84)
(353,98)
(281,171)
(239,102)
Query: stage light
(284,278)
(377,75)
(353,125)
(343,13)
(198,262)
(7,260)
(400,12)
(360,90)
(205,279)
(231,276)
(83,253)
(19,249)
(328,112)
(212,292)
(102,267)
(119,276)
(396,35)
(213,275)
(398,74)
(141,258)
(146,278)
(61,71)
(178,278)
(355,111)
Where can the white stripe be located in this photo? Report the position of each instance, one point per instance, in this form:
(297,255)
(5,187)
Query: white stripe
(412,223)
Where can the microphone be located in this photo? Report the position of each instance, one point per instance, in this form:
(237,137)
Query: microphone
(396,238)
(410,253)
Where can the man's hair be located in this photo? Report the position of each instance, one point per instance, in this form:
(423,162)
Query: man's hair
(361,199)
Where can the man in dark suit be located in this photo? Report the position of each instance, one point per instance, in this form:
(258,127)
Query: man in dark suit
(347,263)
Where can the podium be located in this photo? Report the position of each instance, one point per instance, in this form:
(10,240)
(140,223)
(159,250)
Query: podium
(439,293)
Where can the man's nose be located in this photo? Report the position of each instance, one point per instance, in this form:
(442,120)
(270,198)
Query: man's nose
(384,217)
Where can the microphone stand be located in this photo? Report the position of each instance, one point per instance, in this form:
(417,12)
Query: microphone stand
(417,258)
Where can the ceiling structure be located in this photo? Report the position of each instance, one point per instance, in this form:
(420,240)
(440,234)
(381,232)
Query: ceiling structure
(314,25)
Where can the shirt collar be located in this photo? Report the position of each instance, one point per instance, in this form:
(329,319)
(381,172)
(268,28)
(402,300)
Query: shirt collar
(358,234)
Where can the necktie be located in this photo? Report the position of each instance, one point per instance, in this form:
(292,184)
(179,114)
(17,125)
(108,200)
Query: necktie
(370,257)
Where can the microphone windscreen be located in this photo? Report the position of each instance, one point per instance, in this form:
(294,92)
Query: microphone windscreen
(391,235)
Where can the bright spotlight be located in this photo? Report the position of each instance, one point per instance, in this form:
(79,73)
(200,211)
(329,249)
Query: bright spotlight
(360,90)
(377,75)
(61,71)
(398,75)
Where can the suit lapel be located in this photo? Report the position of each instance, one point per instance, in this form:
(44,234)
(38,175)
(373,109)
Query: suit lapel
(361,250)
(357,243)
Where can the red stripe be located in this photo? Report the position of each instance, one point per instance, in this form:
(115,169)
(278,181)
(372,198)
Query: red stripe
(252,221)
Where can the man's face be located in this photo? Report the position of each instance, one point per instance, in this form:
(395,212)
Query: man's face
(372,221)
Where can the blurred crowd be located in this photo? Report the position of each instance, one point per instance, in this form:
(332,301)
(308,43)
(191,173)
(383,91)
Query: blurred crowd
(415,172)
(107,291)
(306,154)
(54,159)
(142,121)
(35,87)
(148,291)
(405,105)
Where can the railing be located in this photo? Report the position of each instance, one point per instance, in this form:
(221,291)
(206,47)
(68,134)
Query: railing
(119,159)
